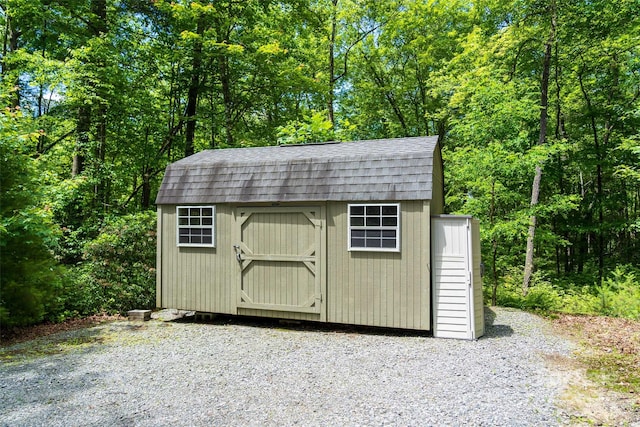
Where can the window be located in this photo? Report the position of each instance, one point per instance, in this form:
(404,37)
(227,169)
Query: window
(374,227)
(196,225)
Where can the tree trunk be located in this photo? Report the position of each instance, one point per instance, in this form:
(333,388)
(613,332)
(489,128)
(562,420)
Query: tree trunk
(146,190)
(194,89)
(494,272)
(9,45)
(100,188)
(494,245)
(97,26)
(535,189)
(600,156)
(379,79)
(83,128)
(227,98)
(332,62)
(528,265)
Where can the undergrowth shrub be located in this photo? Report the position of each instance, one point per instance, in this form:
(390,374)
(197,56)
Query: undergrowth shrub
(580,300)
(542,295)
(79,296)
(118,270)
(618,295)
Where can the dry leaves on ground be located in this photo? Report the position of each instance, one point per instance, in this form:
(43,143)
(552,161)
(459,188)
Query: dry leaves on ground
(9,336)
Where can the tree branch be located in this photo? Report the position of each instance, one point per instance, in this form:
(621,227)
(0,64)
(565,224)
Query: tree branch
(351,46)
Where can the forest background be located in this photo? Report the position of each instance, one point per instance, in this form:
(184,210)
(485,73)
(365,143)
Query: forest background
(536,104)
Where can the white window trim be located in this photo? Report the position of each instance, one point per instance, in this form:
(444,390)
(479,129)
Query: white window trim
(212,226)
(365,227)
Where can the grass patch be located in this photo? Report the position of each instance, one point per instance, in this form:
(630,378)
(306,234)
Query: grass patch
(616,371)
(48,346)
(610,350)
(88,338)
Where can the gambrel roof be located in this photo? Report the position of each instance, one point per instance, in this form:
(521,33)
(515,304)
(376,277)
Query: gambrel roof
(382,169)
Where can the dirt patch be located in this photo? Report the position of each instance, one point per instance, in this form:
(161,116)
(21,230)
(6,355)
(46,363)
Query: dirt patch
(601,379)
(9,336)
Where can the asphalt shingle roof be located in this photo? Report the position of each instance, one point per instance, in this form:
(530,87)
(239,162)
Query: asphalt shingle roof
(383,169)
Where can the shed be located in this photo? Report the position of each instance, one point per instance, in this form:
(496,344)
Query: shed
(333,232)
(458,309)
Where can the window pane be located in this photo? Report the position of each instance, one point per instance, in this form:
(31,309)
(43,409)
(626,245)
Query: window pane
(390,210)
(388,243)
(184,239)
(374,243)
(207,221)
(389,233)
(183,231)
(357,221)
(389,221)
(207,212)
(196,239)
(206,232)
(357,210)
(194,211)
(207,240)
(183,211)
(357,233)
(373,210)
(183,221)
(194,221)
(373,221)
(373,233)
(357,243)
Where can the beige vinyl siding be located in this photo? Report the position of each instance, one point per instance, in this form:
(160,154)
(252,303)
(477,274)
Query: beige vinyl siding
(197,278)
(437,189)
(385,289)
(159,257)
(478,301)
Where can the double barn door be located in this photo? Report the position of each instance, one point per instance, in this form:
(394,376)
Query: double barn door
(280,255)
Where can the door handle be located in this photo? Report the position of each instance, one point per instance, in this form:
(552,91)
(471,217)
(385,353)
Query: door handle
(236,249)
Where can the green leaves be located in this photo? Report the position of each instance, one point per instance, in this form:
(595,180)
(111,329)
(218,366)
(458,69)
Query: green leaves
(27,233)
(314,128)
(120,263)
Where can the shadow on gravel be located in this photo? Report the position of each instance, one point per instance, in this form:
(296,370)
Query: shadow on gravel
(297,325)
(491,329)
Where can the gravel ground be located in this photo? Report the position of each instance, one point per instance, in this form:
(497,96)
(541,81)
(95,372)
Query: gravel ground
(242,373)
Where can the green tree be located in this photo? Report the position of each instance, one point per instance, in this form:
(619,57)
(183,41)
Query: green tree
(394,91)
(29,274)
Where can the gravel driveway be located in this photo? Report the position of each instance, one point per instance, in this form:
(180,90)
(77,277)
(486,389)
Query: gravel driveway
(240,373)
